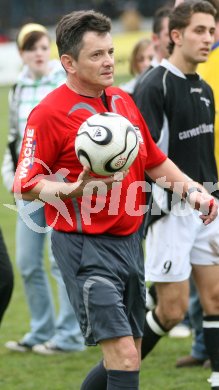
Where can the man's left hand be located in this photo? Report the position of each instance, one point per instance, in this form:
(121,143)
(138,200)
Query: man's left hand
(206,204)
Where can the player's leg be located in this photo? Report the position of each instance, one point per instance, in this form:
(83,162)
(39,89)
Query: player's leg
(168,245)
(207,280)
(105,293)
(121,354)
(97,377)
(170,310)
(122,363)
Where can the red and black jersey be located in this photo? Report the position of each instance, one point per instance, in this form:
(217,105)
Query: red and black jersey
(48,149)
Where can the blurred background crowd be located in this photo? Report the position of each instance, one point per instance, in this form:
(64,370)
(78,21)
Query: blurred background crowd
(132,21)
(14,13)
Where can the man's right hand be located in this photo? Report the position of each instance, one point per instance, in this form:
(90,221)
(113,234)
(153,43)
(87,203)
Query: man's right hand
(85,178)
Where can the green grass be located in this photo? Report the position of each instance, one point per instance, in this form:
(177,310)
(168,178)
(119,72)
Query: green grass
(66,372)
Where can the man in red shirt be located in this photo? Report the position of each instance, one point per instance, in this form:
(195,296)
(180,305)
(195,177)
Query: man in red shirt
(99,253)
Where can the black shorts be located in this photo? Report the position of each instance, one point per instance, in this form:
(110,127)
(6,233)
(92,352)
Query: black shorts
(104,277)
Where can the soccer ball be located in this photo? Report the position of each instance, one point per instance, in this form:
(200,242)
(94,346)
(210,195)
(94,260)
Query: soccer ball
(106,143)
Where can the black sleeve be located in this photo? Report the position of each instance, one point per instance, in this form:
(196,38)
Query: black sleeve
(150,100)
(12,148)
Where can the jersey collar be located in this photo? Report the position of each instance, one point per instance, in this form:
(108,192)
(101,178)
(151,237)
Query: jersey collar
(172,68)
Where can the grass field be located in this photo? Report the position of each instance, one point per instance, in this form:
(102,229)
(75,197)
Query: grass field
(66,371)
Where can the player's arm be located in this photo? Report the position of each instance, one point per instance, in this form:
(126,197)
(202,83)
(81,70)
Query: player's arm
(150,102)
(168,175)
(47,190)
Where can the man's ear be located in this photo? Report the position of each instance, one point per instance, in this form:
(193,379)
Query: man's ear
(68,63)
(176,36)
(155,39)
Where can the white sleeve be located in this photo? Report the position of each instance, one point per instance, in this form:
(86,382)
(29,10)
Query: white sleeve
(7,170)
(8,165)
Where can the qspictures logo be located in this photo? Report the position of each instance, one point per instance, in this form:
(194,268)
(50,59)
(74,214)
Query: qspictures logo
(52,183)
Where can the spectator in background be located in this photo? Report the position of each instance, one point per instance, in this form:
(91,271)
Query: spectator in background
(6,277)
(160,39)
(160,34)
(38,77)
(140,60)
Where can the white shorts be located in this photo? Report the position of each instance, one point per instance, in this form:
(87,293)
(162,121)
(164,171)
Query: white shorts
(175,242)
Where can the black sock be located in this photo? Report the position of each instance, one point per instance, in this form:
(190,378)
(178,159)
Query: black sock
(211,336)
(118,380)
(96,378)
(153,331)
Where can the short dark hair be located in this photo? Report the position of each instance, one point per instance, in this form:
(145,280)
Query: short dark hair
(181,16)
(215,4)
(160,14)
(72,27)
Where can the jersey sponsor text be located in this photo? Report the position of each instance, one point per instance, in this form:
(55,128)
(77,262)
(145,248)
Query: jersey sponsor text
(201,129)
(28,153)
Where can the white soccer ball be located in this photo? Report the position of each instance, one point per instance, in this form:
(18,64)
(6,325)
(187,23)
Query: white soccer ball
(106,143)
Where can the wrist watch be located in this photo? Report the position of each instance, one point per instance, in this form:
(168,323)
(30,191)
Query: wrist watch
(189,192)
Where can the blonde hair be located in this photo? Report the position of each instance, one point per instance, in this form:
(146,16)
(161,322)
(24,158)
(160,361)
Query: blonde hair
(27,30)
(138,48)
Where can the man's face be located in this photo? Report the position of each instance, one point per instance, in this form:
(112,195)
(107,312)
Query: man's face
(162,39)
(196,39)
(95,65)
